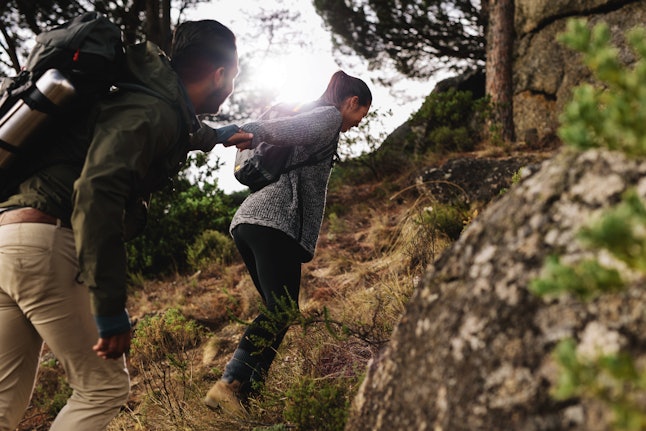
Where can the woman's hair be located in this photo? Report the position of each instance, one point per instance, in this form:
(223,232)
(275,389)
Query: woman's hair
(342,86)
(200,46)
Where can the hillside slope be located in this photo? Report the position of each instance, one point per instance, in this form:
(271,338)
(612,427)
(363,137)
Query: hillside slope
(377,239)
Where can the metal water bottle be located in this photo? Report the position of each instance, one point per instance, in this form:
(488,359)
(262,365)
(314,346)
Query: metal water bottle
(24,119)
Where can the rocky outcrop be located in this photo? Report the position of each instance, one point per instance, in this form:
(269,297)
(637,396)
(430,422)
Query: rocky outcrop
(473,350)
(545,71)
(474,180)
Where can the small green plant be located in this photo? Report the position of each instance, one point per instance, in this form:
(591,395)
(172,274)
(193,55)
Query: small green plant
(285,314)
(515,179)
(447,219)
(337,224)
(52,392)
(612,115)
(622,231)
(163,352)
(279,427)
(612,378)
(586,279)
(157,336)
(518,175)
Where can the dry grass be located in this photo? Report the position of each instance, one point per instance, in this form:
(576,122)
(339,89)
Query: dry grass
(369,260)
(353,294)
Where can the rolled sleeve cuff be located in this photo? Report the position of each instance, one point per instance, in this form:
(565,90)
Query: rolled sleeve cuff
(206,137)
(113,325)
(224,133)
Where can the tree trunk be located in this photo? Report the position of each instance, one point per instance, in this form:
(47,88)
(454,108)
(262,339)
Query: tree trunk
(10,49)
(158,22)
(165,33)
(499,85)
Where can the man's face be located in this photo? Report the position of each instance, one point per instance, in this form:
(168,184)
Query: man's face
(223,88)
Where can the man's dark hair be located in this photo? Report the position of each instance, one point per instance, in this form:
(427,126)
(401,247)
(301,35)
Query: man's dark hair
(199,45)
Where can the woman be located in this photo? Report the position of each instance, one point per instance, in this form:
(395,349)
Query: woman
(276,228)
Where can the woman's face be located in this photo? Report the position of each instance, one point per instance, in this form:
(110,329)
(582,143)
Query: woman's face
(352,113)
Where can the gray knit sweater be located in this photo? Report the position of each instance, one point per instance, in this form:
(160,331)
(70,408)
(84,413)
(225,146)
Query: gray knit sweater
(295,203)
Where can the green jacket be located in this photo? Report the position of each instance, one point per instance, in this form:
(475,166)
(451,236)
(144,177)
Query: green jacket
(101,171)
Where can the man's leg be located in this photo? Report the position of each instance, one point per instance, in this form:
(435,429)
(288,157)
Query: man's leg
(20,344)
(59,308)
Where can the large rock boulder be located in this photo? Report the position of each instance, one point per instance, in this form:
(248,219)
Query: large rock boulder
(473,350)
(544,70)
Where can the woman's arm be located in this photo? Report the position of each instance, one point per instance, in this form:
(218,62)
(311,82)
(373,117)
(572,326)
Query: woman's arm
(320,125)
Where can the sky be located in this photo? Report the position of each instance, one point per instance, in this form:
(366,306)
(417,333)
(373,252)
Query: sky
(301,71)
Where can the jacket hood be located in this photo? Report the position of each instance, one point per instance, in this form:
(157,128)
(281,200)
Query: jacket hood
(148,64)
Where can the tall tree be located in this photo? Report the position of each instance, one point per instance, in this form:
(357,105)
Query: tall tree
(419,36)
(139,20)
(21,20)
(158,22)
(424,36)
(499,85)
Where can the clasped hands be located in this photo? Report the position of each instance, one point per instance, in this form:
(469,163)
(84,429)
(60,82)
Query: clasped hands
(241,140)
(206,138)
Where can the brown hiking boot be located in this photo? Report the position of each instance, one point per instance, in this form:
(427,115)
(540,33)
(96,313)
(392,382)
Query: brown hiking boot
(226,396)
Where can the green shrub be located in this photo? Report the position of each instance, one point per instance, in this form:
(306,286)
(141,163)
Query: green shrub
(158,336)
(163,352)
(613,116)
(177,216)
(366,152)
(444,138)
(452,121)
(447,219)
(279,427)
(210,248)
(317,404)
(586,279)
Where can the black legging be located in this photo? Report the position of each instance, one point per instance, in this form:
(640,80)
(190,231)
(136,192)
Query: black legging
(273,260)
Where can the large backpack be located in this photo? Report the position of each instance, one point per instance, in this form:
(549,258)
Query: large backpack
(71,67)
(265,163)
(73,64)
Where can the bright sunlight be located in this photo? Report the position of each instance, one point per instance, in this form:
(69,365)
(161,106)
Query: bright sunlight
(294,78)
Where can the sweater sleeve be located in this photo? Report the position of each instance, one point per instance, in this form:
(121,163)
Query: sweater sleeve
(320,125)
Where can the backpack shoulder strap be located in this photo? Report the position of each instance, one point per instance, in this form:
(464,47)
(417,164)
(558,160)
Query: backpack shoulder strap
(132,86)
(322,154)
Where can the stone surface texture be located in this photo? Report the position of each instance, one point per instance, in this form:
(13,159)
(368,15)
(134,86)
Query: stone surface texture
(473,350)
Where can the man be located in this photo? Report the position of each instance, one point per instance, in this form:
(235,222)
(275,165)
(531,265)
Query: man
(62,255)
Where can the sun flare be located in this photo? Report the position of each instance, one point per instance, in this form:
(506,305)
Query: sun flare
(293,78)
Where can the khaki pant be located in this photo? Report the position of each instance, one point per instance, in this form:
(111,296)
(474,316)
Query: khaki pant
(41,301)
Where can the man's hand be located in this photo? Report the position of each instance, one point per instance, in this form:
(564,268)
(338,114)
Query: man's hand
(242,140)
(114,346)
(206,137)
